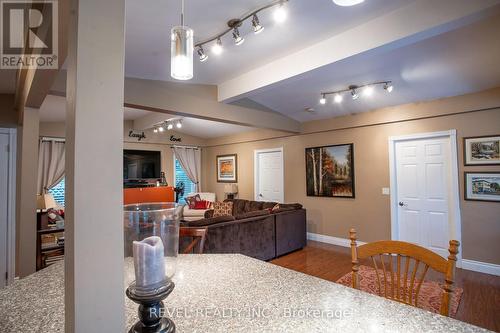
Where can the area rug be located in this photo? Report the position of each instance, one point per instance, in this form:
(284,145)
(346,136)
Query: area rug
(429,297)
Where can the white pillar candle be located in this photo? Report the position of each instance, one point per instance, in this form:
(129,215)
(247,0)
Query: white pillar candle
(149,264)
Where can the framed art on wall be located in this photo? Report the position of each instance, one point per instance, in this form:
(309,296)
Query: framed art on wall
(227,168)
(482,150)
(330,171)
(482,186)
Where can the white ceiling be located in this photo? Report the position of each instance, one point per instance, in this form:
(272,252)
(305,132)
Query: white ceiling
(147,43)
(458,62)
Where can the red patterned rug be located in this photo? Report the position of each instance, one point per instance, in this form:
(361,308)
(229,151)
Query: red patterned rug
(429,297)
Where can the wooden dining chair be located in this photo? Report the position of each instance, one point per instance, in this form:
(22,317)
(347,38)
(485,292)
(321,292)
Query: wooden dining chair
(395,284)
(197,236)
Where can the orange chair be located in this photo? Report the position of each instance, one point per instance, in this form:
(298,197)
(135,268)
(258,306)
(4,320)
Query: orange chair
(148,194)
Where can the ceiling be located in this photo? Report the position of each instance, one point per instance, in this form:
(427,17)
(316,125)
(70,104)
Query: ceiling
(147,46)
(53,109)
(462,61)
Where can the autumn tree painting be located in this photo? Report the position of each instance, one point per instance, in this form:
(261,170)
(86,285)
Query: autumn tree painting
(330,171)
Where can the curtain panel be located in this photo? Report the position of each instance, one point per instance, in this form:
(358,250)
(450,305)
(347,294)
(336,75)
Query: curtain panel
(190,160)
(51,157)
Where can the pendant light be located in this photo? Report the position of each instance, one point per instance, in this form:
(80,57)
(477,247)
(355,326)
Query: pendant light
(181,50)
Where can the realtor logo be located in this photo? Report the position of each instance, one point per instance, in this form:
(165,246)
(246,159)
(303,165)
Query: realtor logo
(28,34)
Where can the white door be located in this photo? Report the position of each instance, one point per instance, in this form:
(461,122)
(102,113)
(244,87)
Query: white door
(4,190)
(269,175)
(423,176)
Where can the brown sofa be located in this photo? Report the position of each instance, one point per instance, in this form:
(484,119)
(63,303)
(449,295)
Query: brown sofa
(254,230)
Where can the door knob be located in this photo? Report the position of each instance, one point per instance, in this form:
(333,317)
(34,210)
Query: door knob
(260,195)
(402,204)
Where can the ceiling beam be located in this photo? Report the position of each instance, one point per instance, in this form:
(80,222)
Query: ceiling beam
(196,101)
(33,84)
(412,23)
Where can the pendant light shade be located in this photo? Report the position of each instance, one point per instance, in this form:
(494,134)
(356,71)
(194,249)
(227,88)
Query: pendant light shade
(181,53)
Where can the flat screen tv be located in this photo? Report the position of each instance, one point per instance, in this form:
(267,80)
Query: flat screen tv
(141,164)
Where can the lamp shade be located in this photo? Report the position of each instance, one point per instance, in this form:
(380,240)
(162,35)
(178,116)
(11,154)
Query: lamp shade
(181,53)
(45,201)
(231,188)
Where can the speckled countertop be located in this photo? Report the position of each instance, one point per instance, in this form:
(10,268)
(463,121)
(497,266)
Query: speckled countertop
(232,293)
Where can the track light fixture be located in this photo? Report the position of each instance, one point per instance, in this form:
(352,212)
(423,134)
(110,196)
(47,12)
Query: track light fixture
(234,24)
(257,28)
(367,90)
(238,40)
(202,54)
(168,125)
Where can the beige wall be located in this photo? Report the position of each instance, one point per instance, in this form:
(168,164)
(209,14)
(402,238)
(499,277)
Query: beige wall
(154,141)
(8,116)
(369,212)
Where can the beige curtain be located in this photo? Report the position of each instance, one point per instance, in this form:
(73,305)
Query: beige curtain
(190,160)
(50,164)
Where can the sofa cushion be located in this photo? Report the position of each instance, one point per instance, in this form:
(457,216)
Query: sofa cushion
(223,208)
(253,206)
(209,221)
(254,213)
(238,206)
(269,205)
(192,200)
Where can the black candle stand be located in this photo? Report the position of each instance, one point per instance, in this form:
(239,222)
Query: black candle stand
(151,309)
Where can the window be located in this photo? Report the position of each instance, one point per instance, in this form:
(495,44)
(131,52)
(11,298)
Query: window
(180,176)
(58,192)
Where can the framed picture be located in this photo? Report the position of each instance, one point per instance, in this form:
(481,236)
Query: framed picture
(330,171)
(482,150)
(482,186)
(227,168)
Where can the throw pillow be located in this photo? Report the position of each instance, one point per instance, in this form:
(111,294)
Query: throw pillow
(203,204)
(223,208)
(191,201)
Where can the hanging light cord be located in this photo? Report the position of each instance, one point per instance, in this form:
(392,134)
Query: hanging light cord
(182,13)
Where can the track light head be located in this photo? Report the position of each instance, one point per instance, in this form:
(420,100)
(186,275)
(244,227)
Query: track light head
(155,130)
(338,98)
(238,40)
(178,124)
(322,100)
(257,28)
(201,53)
(161,128)
(368,91)
(388,87)
(347,3)
(354,94)
(217,48)
(280,13)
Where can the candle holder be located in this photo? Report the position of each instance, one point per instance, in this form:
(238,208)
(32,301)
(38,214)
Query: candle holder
(151,309)
(152,239)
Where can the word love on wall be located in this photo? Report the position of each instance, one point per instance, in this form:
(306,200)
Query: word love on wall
(174,139)
(138,136)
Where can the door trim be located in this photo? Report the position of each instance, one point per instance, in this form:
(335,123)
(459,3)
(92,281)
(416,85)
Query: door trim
(11,205)
(256,171)
(456,230)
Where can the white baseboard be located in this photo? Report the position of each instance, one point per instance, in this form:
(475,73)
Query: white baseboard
(471,265)
(482,267)
(331,240)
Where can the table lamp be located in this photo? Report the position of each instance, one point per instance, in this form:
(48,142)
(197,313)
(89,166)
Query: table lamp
(45,201)
(231,190)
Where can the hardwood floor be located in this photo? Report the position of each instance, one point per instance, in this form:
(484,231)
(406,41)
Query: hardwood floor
(480,304)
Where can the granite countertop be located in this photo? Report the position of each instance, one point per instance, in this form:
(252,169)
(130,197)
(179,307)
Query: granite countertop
(232,293)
